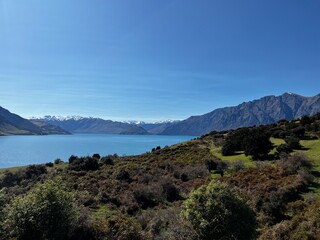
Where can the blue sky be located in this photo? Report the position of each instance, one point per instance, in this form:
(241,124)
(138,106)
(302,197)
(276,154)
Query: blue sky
(154,60)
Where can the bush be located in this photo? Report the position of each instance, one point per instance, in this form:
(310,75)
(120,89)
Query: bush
(236,166)
(123,175)
(83,163)
(96,155)
(293,142)
(122,228)
(58,161)
(283,148)
(304,225)
(170,190)
(227,148)
(46,212)
(148,196)
(293,164)
(49,164)
(217,211)
(108,160)
(33,171)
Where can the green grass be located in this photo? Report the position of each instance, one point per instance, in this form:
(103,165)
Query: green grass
(313,151)
(103,212)
(276,142)
(238,156)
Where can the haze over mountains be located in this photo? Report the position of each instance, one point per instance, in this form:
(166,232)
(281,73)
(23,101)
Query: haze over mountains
(265,110)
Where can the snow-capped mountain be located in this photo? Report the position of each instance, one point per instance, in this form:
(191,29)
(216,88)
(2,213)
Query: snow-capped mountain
(77,124)
(59,118)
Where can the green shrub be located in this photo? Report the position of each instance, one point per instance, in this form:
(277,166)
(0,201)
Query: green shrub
(121,227)
(293,142)
(46,212)
(83,163)
(217,211)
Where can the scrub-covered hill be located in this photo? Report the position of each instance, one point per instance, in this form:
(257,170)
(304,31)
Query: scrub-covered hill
(153,196)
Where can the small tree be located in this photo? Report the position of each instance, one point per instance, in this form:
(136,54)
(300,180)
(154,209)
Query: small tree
(257,143)
(46,212)
(227,148)
(293,142)
(217,211)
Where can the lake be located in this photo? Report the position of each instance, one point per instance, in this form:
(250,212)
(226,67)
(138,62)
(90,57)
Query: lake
(25,150)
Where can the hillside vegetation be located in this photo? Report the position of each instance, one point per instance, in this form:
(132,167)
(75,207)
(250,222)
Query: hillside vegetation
(223,185)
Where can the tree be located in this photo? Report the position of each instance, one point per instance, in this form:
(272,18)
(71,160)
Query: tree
(293,142)
(217,211)
(253,141)
(46,212)
(227,148)
(257,143)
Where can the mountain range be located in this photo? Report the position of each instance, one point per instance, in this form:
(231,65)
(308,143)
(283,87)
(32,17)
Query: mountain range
(76,124)
(13,124)
(265,110)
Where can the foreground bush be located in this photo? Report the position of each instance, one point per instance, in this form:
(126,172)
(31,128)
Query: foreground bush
(46,212)
(217,211)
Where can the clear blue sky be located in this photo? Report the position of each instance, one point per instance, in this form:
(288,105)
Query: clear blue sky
(154,60)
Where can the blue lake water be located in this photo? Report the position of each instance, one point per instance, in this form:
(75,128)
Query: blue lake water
(25,150)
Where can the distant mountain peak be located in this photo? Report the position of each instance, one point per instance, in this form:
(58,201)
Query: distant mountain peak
(78,124)
(60,118)
(290,93)
(135,122)
(265,110)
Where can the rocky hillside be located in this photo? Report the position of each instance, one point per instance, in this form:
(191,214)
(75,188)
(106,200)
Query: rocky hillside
(13,124)
(266,110)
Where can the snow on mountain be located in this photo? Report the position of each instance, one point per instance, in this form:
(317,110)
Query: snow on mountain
(59,118)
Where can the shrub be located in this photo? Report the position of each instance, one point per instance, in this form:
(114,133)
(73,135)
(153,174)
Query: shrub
(123,175)
(72,158)
(122,228)
(217,211)
(170,190)
(108,160)
(46,212)
(49,164)
(236,166)
(227,148)
(216,165)
(304,225)
(96,155)
(293,164)
(33,171)
(148,196)
(293,142)
(58,161)
(190,172)
(83,163)
(283,148)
